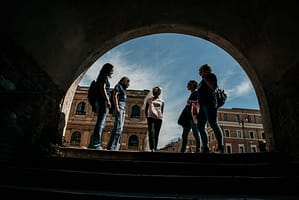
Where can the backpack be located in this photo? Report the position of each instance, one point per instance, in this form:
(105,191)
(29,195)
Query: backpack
(184,119)
(92,94)
(221,97)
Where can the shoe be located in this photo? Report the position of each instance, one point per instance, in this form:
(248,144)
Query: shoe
(220,149)
(206,150)
(99,148)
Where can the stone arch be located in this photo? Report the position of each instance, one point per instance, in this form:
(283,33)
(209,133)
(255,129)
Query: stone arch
(59,41)
(197,32)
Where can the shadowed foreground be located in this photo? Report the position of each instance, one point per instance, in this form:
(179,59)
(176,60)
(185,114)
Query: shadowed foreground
(94,174)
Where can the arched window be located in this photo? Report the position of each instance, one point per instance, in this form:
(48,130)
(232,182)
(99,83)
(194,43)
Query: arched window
(75,138)
(133,141)
(81,108)
(135,112)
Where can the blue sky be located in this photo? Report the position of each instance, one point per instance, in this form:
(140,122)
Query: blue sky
(170,60)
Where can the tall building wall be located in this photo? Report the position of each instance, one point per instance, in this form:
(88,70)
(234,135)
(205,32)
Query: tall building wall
(242,128)
(82,120)
(242,132)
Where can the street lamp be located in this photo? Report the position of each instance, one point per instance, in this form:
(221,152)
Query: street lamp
(242,123)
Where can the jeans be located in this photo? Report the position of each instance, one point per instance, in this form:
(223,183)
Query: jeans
(115,137)
(209,114)
(185,134)
(154,126)
(96,138)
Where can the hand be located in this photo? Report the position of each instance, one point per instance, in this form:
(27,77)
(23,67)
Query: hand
(108,104)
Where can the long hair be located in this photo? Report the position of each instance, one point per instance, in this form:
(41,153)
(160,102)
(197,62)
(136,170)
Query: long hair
(105,69)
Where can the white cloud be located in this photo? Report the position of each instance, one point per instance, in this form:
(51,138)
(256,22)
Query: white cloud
(152,61)
(241,90)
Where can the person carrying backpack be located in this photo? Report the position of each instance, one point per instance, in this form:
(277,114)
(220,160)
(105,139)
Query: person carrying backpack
(102,105)
(208,108)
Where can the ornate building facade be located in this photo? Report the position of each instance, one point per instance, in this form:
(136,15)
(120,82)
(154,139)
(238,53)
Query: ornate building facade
(81,122)
(242,132)
(242,128)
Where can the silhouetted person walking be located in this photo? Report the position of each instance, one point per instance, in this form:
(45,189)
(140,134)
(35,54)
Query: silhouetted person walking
(208,108)
(191,117)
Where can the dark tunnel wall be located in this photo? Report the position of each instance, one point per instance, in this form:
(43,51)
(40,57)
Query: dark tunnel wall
(47,45)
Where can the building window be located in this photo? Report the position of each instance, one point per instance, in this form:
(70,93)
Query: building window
(248,119)
(237,117)
(241,148)
(135,112)
(239,134)
(253,148)
(226,133)
(225,117)
(133,141)
(260,120)
(81,108)
(251,134)
(75,138)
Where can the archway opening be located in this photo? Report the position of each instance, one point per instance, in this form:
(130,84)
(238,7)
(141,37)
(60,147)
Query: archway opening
(170,60)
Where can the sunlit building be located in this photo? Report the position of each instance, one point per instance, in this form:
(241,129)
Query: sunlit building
(242,128)
(242,132)
(82,120)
